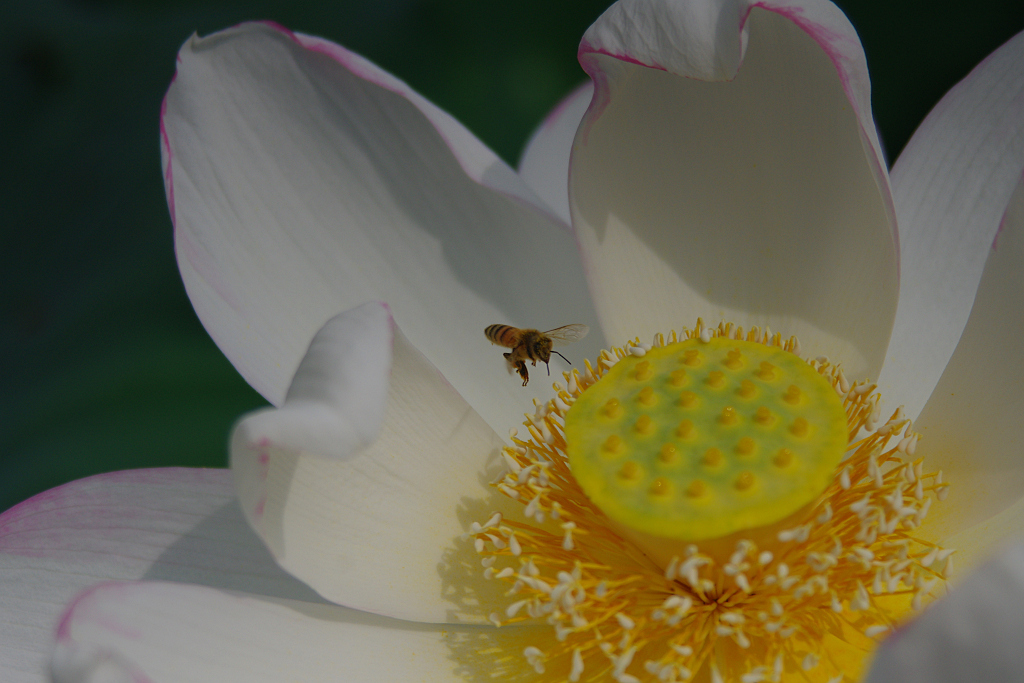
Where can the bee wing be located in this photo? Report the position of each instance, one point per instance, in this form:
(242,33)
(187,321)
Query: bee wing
(568,334)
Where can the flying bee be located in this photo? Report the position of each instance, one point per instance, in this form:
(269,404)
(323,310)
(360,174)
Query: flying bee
(533,345)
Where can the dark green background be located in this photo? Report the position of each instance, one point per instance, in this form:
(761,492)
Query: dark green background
(103,364)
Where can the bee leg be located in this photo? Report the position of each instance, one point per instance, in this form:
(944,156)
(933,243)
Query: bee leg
(521,369)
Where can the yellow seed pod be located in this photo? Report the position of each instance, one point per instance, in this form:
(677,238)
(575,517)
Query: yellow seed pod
(706,461)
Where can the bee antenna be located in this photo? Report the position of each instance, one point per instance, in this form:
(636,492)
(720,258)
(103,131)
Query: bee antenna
(563,358)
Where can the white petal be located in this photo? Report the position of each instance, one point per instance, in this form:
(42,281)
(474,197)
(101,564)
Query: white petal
(973,634)
(975,544)
(336,402)
(304,181)
(729,168)
(972,425)
(373,523)
(545,161)
(162,632)
(175,524)
(951,185)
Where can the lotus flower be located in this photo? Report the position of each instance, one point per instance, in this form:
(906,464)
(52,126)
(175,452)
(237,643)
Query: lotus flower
(345,243)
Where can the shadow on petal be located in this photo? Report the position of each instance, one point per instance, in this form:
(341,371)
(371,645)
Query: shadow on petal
(223,552)
(496,654)
(756,200)
(483,654)
(460,570)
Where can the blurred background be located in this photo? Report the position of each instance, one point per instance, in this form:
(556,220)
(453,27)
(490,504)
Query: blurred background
(103,364)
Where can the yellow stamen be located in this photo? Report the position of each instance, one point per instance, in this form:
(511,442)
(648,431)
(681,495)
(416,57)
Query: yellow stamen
(805,601)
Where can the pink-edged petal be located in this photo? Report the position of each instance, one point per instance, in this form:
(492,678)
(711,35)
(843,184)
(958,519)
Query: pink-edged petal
(173,524)
(362,483)
(160,633)
(972,425)
(304,181)
(951,185)
(729,168)
(544,165)
(973,634)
